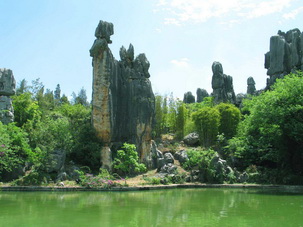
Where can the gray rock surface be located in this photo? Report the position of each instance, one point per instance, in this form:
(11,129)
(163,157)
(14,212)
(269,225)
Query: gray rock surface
(285,55)
(222,85)
(191,139)
(7,88)
(251,89)
(181,156)
(189,98)
(7,82)
(156,154)
(201,94)
(55,161)
(123,100)
(169,158)
(239,99)
(169,169)
(6,110)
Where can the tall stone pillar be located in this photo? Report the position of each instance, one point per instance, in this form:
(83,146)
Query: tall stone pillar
(7,89)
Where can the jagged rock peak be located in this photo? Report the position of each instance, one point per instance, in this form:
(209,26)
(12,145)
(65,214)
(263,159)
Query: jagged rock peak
(104,30)
(7,82)
(189,98)
(201,94)
(222,85)
(285,55)
(7,88)
(123,100)
(127,55)
(251,89)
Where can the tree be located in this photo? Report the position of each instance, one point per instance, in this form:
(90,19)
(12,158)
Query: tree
(181,119)
(271,134)
(229,120)
(22,88)
(207,122)
(81,98)
(57,93)
(25,109)
(158,128)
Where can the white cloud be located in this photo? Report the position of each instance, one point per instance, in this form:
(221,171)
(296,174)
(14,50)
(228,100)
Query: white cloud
(293,13)
(197,11)
(183,62)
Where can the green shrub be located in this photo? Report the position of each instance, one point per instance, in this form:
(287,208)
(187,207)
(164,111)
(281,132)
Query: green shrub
(127,159)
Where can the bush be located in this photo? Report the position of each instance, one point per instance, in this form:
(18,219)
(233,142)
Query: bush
(126,161)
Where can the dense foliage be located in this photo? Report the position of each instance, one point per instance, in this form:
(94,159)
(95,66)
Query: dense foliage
(44,122)
(271,134)
(264,138)
(207,119)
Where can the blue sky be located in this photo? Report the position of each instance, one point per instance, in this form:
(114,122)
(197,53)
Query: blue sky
(50,39)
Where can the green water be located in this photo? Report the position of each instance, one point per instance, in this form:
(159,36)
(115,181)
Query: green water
(176,207)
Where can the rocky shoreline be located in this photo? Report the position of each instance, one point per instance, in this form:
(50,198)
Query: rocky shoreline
(151,187)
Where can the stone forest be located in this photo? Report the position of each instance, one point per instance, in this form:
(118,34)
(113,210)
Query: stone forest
(129,137)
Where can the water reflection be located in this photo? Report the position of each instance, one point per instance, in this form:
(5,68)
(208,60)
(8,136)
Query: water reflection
(179,207)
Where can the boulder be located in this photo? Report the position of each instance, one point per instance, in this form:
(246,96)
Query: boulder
(181,156)
(191,139)
(123,103)
(160,163)
(156,154)
(169,158)
(169,169)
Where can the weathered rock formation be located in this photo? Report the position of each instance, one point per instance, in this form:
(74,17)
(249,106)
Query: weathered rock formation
(122,100)
(251,89)
(201,94)
(285,55)
(7,88)
(189,98)
(222,85)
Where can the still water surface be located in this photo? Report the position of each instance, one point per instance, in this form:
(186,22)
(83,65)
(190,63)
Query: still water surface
(176,207)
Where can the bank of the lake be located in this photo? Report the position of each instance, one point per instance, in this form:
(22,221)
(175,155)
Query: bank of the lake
(298,188)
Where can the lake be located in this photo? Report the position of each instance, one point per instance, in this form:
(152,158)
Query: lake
(175,207)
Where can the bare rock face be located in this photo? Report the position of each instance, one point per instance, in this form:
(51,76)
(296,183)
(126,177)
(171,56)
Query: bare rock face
(189,98)
(222,85)
(251,89)
(123,100)
(7,88)
(201,94)
(285,55)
